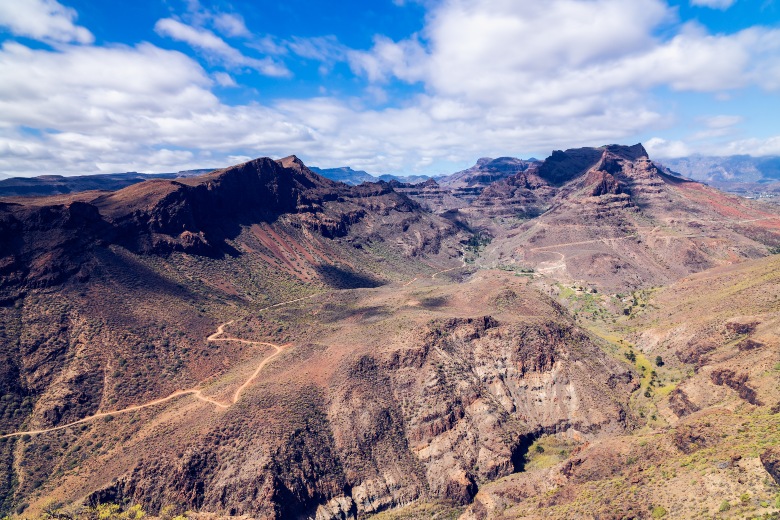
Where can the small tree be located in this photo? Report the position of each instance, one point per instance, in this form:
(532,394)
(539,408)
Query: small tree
(659,361)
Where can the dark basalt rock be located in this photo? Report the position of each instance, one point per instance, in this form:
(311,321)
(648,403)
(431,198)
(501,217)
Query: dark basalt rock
(771,461)
(737,382)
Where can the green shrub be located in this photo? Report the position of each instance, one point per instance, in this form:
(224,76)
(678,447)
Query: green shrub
(724,506)
(658,512)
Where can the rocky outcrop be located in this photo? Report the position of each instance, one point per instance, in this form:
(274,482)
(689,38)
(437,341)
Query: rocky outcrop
(737,382)
(770,458)
(487,171)
(562,167)
(680,404)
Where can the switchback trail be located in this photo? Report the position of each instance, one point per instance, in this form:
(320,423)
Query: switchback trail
(195,392)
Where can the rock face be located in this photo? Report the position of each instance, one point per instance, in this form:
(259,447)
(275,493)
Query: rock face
(486,171)
(737,382)
(523,195)
(462,188)
(770,458)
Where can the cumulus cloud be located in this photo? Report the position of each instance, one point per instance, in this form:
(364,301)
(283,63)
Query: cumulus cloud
(493,77)
(758,147)
(522,53)
(44,20)
(216,48)
(659,148)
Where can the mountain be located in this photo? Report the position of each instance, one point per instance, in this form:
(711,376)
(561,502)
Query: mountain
(485,171)
(57,184)
(753,177)
(345,174)
(611,216)
(586,336)
(406,179)
(708,345)
(256,315)
(727,169)
(204,215)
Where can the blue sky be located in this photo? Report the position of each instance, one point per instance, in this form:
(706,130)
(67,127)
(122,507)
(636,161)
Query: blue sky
(389,86)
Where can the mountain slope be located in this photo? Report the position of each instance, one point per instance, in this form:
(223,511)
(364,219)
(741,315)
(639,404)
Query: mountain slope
(713,403)
(611,217)
(379,397)
(49,240)
(111,300)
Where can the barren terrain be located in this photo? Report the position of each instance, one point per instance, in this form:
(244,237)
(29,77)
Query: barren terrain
(585,337)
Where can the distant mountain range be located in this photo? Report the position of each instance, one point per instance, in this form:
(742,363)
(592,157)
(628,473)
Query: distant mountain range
(352,177)
(45,185)
(734,168)
(741,174)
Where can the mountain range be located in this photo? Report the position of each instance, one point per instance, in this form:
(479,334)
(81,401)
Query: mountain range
(583,336)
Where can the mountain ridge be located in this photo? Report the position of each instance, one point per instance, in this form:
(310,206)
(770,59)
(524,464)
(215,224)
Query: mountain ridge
(371,354)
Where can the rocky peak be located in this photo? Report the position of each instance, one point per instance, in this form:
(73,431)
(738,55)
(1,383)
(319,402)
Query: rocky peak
(564,166)
(486,171)
(630,153)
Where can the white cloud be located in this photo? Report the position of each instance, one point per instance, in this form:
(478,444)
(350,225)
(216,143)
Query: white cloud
(659,148)
(714,4)
(405,60)
(722,121)
(495,77)
(231,25)
(224,80)
(524,53)
(758,147)
(216,48)
(326,49)
(750,146)
(44,20)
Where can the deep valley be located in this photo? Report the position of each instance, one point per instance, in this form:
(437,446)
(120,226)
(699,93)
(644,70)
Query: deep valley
(587,336)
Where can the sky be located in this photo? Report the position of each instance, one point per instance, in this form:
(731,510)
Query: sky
(387,86)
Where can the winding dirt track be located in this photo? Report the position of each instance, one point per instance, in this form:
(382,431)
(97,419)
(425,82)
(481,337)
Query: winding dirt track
(433,276)
(195,392)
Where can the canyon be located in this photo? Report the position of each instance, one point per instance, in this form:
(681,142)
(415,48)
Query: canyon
(575,337)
